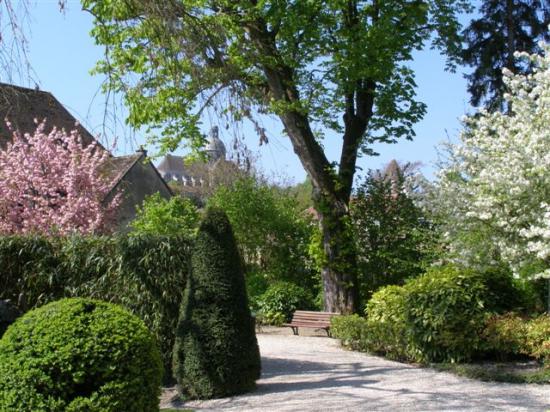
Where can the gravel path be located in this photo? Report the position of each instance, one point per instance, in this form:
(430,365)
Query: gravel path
(315,374)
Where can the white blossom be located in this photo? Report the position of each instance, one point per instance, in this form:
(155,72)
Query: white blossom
(496,182)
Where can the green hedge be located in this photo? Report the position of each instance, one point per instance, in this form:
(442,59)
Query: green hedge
(79,355)
(437,317)
(146,274)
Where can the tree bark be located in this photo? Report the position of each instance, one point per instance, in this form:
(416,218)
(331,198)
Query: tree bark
(339,273)
(332,189)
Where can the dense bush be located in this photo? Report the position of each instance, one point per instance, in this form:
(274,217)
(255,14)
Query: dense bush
(216,352)
(444,314)
(146,274)
(505,336)
(387,332)
(351,331)
(79,355)
(439,316)
(538,338)
(515,335)
(280,300)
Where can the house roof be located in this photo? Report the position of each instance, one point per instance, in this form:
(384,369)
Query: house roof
(172,163)
(116,168)
(21,106)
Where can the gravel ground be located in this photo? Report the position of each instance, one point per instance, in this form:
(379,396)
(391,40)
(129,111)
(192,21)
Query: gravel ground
(312,373)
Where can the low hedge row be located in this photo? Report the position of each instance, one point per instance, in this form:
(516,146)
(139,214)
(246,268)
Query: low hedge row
(437,317)
(511,335)
(145,274)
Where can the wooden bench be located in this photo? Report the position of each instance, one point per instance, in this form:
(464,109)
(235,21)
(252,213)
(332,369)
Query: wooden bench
(314,320)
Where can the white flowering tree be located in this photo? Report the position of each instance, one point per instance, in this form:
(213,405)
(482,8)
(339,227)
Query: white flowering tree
(495,188)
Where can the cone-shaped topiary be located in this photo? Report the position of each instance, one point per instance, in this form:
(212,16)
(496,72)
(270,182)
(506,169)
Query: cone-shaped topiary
(79,355)
(216,352)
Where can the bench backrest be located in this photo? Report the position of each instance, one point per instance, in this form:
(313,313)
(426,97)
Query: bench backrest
(303,315)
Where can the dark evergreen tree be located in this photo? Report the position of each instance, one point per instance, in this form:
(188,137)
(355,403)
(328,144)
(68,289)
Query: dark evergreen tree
(504,27)
(216,352)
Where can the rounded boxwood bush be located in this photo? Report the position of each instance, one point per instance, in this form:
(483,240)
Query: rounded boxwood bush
(280,300)
(216,352)
(79,355)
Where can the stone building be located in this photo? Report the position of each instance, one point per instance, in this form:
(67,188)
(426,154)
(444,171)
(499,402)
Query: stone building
(136,177)
(198,179)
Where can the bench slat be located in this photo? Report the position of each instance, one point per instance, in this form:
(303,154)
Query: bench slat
(310,319)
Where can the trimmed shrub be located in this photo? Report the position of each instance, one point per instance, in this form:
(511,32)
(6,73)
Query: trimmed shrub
(387,330)
(145,274)
(280,300)
(79,355)
(445,313)
(216,352)
(351,331)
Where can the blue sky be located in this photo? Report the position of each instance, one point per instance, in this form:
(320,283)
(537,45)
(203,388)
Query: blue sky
(62,54)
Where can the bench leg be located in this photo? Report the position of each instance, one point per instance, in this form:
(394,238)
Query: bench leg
(295,330)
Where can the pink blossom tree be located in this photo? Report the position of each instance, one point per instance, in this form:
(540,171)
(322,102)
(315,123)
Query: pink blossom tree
(51,183)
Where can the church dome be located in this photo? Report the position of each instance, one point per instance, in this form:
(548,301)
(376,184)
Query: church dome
(215,149)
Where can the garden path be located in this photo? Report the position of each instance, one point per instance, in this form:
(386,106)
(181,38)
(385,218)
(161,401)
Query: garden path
(312,373)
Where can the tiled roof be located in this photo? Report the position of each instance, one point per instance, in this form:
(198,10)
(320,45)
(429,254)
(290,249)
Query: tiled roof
(21,106)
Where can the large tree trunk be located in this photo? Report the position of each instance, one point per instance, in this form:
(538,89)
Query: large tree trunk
(339,274)
(332,187)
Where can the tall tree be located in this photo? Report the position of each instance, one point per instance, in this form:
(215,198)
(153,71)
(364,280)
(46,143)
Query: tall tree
(331,65)
(396,238)
(494,191)
(491,40)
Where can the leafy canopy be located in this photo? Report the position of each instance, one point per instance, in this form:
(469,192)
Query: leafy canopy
(173,60)
(158,216)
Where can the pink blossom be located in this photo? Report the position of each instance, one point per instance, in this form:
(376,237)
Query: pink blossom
(52,184)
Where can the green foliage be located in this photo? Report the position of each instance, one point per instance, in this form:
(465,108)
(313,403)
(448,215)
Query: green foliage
(216,352)
(396,239)
(79,355)
(387,327)
(218,57)
(256,284)
(445,313)
(505,335)
(437,317)
(351,331)
(513,335)
(158,216)
(145,274)
(272,232)
(280,300)
(538,338)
